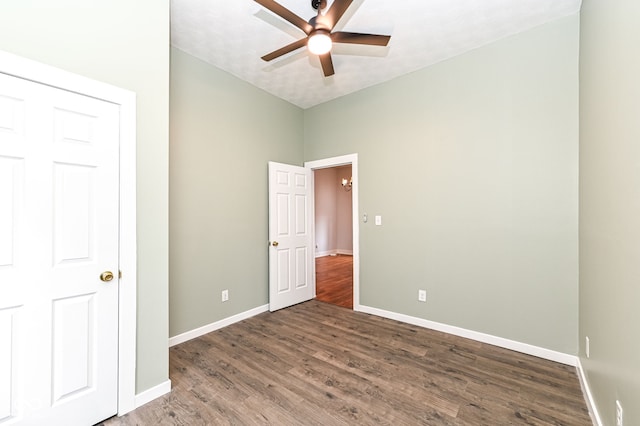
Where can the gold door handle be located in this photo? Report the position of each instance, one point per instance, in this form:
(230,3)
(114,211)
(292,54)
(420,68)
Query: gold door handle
(106,276)
(275,244)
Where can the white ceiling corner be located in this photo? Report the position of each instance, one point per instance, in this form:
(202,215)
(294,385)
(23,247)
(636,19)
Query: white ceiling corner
(233,34)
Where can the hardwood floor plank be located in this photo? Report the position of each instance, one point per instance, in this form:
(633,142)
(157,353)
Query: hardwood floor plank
(289,394)
(334,280)
(320,364)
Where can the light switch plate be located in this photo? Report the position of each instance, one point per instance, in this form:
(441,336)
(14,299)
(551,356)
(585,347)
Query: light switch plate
(378,220)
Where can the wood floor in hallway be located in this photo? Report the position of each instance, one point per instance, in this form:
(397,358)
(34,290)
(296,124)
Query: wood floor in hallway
(334,280)
(320,364)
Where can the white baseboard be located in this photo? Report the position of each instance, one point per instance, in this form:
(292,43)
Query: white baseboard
(334,252)
(153,393)
(180,338)
(474,335)
(588,396)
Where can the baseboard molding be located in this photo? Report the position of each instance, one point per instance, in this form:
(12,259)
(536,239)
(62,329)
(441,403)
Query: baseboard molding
(588,396)
(181,338)
(474,335)
(153,393)
(334,253)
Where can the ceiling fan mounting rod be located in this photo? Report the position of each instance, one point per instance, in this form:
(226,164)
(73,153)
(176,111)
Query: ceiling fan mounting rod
(318,4)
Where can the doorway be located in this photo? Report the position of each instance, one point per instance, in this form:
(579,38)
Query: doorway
(334,235)
(336,258)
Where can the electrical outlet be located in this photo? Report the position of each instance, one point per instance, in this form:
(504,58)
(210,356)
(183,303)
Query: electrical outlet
(587,349)
(422,295)
(619,414)
(225,295)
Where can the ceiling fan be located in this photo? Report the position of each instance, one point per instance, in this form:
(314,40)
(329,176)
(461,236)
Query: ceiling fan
(319,33)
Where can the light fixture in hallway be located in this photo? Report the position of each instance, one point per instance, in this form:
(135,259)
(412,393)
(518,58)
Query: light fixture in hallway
(347,184)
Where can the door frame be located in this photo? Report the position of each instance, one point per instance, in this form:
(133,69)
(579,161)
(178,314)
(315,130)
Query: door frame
(344,160)
(37,72)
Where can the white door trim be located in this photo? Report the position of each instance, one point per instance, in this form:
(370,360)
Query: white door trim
(344,160)
(34,71)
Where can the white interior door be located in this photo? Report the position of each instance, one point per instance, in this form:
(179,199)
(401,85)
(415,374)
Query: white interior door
(291,259)
(58,234)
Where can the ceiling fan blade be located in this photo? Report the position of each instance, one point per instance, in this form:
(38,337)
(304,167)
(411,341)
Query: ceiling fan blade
(335,12)
(327,64)
(286,14)
(360,38)
(284,50)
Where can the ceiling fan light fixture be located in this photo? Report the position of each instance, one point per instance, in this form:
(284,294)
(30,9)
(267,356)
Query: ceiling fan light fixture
(319,42)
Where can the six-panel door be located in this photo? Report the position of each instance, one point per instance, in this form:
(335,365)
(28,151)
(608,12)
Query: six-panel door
(58,233)
(291,268)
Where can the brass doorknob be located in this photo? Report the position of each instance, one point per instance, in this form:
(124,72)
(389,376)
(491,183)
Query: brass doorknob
(275,244)
(106,276)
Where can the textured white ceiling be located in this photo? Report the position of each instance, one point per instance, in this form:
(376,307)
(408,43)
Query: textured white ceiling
(233,34)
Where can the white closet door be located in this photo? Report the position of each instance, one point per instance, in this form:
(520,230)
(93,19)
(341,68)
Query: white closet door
(58,234)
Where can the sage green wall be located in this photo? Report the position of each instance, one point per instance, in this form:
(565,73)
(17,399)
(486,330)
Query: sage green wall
(223,133)
(126,44)
(610,204)
(473,165)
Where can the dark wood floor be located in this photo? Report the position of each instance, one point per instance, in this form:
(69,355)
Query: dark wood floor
(320,364)
(334,280)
